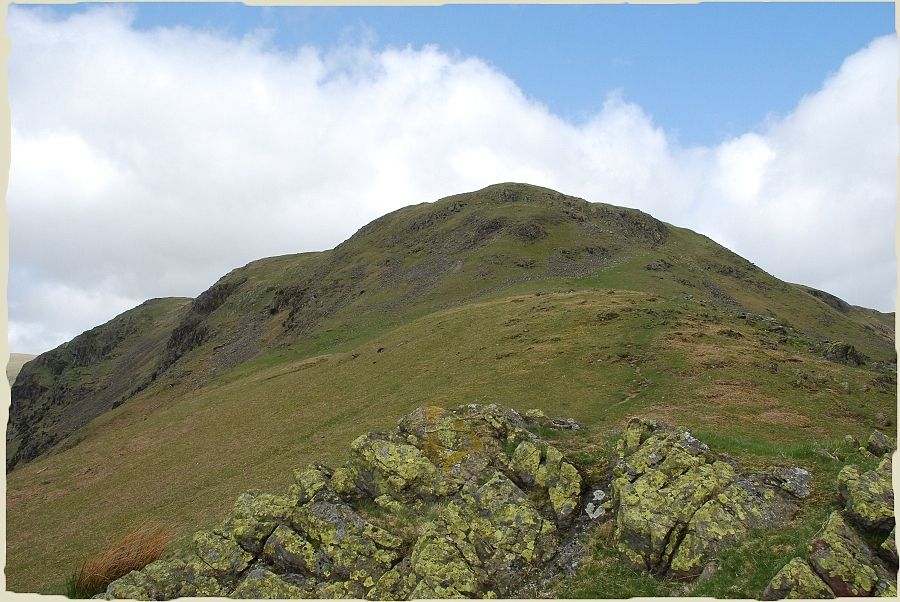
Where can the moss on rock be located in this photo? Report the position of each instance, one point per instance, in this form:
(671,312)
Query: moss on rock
(796,580)
(842,559)
(868,496)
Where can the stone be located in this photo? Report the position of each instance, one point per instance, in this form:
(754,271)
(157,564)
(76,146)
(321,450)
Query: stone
(888,548)
(794,480)
(842,559)
(868,497)
(565,424)
(308,482)
(536,416)
(595,509)
(255,516)
(261,583)
(676,502)
(844,353)
(294,553)
(221,553)
(354,548)
(796,580)
(545,467)
(879,444)
(381,466)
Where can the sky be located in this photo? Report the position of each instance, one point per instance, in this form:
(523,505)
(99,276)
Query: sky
(156,147)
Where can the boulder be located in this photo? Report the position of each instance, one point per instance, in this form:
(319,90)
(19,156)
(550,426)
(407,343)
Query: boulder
(868,497)
(844,561)
(844,353)
(222,554)
(796,580)
(794,480)
(879,444)
(676,502)
(255,516)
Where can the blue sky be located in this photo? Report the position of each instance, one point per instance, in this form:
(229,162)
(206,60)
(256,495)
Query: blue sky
(703,72)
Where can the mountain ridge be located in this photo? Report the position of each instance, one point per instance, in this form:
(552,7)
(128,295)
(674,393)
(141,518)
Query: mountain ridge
(579,309)
(412,256)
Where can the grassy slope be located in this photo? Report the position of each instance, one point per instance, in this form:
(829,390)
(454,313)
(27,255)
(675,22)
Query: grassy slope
(15,363)
(619,341)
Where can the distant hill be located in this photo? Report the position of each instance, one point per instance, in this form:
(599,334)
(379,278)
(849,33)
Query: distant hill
(15,363)
(512,294)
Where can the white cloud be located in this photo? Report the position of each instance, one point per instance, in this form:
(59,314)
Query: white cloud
(149,163)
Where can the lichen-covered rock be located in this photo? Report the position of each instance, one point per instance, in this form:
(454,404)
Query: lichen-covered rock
(294,553)
(879,444)
(490,534)
(221,553)
(796,580)
(159,580)
(308,482)
(261,583)
(844,353)
(868,497)
(544,467)
(381,466)
(676,502)
(255,516)
(355,549)
(842,559)
(888,548)
(462,443)
(794,480)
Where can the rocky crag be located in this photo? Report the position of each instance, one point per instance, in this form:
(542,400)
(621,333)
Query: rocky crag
(472,503)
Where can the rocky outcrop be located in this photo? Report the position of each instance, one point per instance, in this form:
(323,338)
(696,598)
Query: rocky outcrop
(471,503)
(844,561)
(498,496)
(675,501)
(868,497)
(841,562)
(844,353)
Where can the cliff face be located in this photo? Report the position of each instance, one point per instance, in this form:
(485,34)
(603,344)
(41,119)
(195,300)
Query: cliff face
(62,390)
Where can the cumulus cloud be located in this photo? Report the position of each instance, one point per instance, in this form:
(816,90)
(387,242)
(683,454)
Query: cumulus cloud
(149,163)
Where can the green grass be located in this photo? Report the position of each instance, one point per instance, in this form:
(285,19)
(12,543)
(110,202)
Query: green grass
(181,451)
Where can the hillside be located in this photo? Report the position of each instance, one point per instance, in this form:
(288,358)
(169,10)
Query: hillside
(513,294)
(62,390)
(15,363)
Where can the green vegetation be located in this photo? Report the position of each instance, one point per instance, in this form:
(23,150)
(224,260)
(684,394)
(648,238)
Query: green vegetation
(513,295)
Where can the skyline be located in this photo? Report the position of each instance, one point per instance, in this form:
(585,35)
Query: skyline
(334,134)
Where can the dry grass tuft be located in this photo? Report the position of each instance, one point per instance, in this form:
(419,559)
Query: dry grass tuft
(133,552)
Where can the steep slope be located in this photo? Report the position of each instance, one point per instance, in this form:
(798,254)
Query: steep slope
(15,363)
(512,294)
(63,389)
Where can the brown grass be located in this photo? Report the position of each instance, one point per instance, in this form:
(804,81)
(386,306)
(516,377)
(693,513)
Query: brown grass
(133,552)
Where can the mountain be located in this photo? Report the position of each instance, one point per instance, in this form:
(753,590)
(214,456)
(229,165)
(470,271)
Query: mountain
(15,363)
(514,294)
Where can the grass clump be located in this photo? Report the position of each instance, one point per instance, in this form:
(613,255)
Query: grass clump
(131,553)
